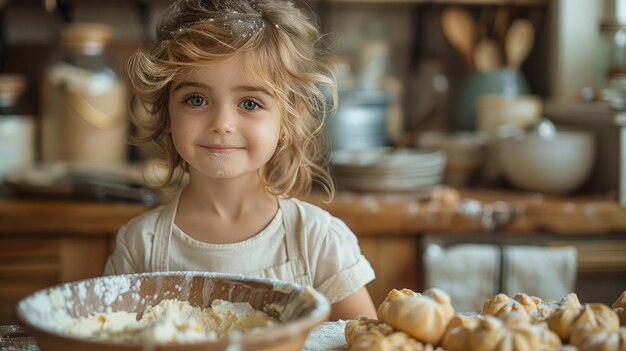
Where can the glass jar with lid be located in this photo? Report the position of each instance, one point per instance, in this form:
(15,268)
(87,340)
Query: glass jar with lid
(84,112)
(17,129)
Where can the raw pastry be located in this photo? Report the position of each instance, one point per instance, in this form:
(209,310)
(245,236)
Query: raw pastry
(400,341)
(500,305)
(571,314)
(458,333)
(424,317)
(393,296)
(360,330)
(619,306)
(537,309)
(594,338)
(512,333)
(563,317)
(365,334)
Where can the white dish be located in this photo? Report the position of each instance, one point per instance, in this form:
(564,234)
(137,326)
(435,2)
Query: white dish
(389,184)
(382,169)
(382,172)
(384,157)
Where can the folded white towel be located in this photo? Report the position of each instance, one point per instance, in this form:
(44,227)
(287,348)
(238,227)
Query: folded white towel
(470,273)
(547,272)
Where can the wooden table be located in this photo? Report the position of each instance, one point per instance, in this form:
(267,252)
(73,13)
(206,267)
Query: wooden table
(328,336)
(49,241)
(484,211)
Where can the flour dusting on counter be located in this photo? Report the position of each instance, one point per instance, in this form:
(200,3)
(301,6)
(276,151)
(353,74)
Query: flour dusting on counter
(492,216)
(328,336)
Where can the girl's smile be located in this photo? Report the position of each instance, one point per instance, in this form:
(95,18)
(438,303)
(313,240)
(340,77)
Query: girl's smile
(221,149)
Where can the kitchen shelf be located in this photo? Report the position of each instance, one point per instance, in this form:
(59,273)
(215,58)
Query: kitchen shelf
(407,2)
(596,113)
(442,2)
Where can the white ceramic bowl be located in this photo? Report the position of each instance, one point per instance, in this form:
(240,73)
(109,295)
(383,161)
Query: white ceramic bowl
(554,165)
(298,309)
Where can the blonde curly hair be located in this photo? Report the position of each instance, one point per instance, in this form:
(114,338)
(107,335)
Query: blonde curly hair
(280,46)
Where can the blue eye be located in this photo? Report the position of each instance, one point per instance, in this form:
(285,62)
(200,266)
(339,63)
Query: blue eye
(250,105)
(195,101)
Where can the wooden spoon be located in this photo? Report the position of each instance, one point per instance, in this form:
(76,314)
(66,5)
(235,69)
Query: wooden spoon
(460,30)
(518,42)
(487,56)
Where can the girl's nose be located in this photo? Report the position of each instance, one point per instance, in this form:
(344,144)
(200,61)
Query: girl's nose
(222,121)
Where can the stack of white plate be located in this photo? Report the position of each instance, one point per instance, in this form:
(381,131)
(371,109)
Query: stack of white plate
(384,170)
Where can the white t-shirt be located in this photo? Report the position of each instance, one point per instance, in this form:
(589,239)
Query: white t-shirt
(328,257)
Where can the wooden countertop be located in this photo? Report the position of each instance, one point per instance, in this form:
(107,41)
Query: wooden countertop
(475,211)
(327,336)
(50,216)
(445,210)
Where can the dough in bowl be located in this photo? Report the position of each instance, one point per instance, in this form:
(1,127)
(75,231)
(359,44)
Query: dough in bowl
(172,321)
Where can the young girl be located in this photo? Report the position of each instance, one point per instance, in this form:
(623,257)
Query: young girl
(234,92)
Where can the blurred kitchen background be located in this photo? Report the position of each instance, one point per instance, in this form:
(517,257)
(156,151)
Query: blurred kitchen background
(479,145)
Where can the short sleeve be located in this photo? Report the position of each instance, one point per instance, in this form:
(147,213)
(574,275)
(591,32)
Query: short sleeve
(121,260)
(341,268)
(133,245)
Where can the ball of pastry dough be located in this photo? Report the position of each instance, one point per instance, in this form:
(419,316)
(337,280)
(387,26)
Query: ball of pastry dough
(424,317)
(571,314)
(561,321)
(619,306)
(595,338)
(392,297)
(500,305)
(458,333)
(364,334)
(362,329)
(400,341)
(537,309)
(512,333)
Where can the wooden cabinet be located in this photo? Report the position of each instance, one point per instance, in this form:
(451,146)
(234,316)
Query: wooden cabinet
(395,261)
(34,263)
(43,243)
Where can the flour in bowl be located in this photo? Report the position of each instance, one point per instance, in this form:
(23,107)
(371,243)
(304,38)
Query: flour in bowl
(172,321)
